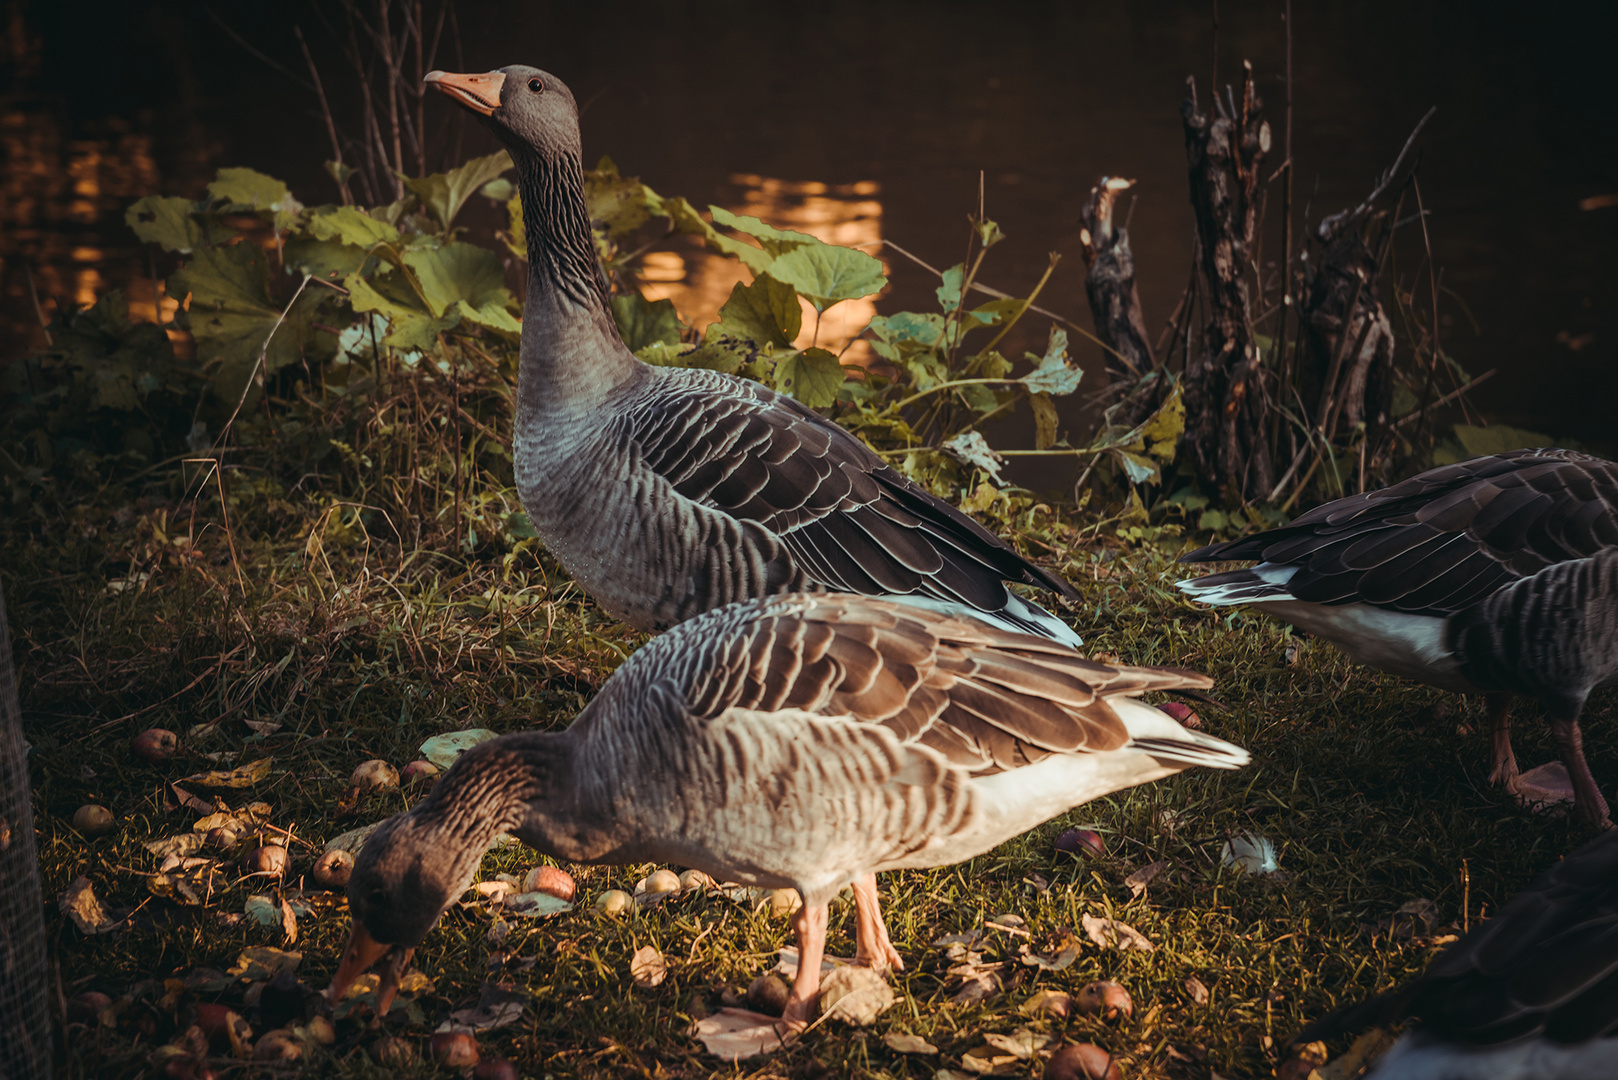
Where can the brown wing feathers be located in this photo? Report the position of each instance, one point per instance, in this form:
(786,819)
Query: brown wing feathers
(985,698)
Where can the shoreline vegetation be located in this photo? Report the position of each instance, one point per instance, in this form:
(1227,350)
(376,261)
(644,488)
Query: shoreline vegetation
(295,543)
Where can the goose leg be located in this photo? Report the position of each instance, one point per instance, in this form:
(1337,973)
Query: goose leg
(1505,762)
(1588,804)
(810,924)
(873,948)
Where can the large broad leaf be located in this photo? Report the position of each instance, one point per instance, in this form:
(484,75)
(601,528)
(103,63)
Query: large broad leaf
(233,319)
(766,312)
(443,194)
(1052,373)
(455,274)
(351,225)
(618,204)
(684,219)
(328,259)
(824,274)
(173,223)
(812,376)
(410,325)
(776,242)
(247,189)
(642,322)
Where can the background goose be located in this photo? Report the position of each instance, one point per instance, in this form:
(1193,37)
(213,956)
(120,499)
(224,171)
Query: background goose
(668,491)
(1531,994)
(1497,574)
(804,741)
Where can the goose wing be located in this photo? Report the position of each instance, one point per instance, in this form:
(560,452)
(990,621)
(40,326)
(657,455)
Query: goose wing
(1546,966)
(1447,538)
(986,699)
(853,523)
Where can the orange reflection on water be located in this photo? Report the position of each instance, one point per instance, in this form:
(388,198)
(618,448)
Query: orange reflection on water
(699,282)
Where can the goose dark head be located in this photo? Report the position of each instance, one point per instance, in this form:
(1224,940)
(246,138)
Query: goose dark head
(402,882)
(529,110)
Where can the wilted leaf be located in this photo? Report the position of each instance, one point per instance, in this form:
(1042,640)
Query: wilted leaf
(497,1007)
(171,223)
(197,884)
(1143,877)
(647,967)
(443,194)
(1052,373)
(242,776)
(1022,1043)
(989,1061)
(536,903)
(1140,470)
(262,963)
(175,846)
(1059,959)
(813,376)
(735,1034)
(855,995)
(824,274)
(248,817)
(264,910)
(1195,990)
(903,1043)
(618,204)
(80,903)
(766,312)
(971,448)
(442,750)
(642,322)
(353,226)
(1162,430)
(247,189)
(1045,419)
(1112,934)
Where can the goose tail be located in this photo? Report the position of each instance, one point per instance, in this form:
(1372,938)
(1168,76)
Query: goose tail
(1263,582)
(1193,748)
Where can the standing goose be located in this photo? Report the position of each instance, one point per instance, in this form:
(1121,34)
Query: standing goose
(667,492)
(1530,994)
(802,741)
(1498,574)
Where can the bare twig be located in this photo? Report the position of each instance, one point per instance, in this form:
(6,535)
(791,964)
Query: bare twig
(247,45)
(325,111)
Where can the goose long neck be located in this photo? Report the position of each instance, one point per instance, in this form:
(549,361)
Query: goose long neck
(572,355)
(490,788)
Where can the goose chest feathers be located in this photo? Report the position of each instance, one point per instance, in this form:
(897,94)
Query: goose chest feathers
(1498,574)
(803,741)
(1530,994)
(667,492)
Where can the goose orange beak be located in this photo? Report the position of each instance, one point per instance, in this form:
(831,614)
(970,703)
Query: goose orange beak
(361,952)
(480,93)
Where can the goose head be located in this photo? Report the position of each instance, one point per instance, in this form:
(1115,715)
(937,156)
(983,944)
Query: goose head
(529,110)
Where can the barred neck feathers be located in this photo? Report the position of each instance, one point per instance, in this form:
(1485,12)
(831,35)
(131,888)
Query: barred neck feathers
(561,250)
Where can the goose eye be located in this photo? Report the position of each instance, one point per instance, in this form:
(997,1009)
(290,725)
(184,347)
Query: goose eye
(536,86)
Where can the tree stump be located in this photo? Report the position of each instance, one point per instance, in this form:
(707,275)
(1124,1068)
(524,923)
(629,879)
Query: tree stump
(1226,399)
(1109,286)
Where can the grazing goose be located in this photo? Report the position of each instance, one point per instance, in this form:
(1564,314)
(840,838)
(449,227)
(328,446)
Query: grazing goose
(805,741)
(1531,994)
(1498,574)
(667,492)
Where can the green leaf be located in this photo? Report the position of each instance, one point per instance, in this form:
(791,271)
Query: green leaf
(445,276)
(988,232)
(517,233)
(812,376)
(776,242)
(247,189)
(339,171)
(443,194)
(766,312)
(1139,469)
(332,260)
(825,274)
(1162,430)
(908,326)
(233,318)
(642,322)
(1053,375)
(1044,420)
(500,190)
(684,219)
(618,204)
(996,312)
(173,223)
(949,293)
(410,325)
(351,225)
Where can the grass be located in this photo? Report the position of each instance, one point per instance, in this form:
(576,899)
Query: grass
(137,606)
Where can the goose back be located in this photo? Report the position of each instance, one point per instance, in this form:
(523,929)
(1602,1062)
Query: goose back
(1446,539)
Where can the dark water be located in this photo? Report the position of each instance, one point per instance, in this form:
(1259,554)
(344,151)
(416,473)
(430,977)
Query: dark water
(876,118)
